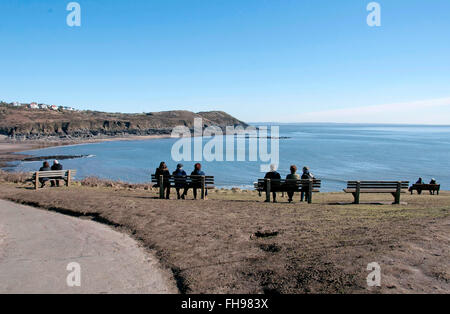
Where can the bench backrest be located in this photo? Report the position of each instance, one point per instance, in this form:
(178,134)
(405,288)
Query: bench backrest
(54,173)
(290,182)
(374,185)
(184,179)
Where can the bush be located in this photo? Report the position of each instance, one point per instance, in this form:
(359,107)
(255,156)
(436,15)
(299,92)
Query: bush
(97,182)
(13,177)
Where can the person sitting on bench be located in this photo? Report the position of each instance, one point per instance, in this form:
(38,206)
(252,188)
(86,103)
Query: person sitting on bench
(163,171)
(197,172)
(179,181)
(272,175)
(305,176)
(434,182)
(45,167)
(55,167)
(419,182)
(292,176)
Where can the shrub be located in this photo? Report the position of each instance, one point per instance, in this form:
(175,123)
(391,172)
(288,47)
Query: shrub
(97,182)
(14,177)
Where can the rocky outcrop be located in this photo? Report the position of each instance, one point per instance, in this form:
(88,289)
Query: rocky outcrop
(28,123)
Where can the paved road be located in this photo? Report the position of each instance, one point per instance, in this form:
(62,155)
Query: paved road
(36,246)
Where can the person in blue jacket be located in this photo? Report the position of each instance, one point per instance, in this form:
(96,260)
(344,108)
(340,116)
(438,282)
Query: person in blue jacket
(180,180)
(197,172)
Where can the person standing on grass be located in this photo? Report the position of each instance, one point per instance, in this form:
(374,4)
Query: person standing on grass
(163,171)
(272,175)
(56,167)
(197,172)
(305,191)
(180,180)
(292,176)
(45,167)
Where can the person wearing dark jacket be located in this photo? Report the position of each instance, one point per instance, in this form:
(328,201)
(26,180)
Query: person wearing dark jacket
(306,176)
(45,167)
(55,167)
(272,175)
(418,182)
(197,172)
(292,176)
(433,182)
(180,180)
(163,171)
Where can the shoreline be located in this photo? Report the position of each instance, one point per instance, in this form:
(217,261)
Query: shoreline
(9,149)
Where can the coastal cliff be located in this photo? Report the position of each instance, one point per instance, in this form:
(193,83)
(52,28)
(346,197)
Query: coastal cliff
(25,123)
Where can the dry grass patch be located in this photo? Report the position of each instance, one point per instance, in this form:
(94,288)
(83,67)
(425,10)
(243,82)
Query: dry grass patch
(235,243)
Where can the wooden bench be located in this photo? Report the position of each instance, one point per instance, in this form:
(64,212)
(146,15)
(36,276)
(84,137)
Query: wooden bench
(199,182)
(425,187)
(288,185)
(396,188)
(66,175)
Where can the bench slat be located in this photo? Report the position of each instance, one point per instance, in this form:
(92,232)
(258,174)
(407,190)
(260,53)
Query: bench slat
(53,173)
(373,191)
(348,182)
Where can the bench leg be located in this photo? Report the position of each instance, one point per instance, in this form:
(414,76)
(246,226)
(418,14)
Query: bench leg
(203,188)
(358,192)
(396,200)
(69,178)
(36,183)
(161,187)
(398,193)
(268,188)
(310,191)
(356,198)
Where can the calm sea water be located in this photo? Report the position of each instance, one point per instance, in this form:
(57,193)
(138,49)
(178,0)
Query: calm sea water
(334,152)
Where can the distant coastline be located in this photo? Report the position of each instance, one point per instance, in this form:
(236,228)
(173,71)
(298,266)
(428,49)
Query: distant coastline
(26,127)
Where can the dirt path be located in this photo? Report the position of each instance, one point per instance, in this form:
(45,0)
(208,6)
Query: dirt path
(36,246)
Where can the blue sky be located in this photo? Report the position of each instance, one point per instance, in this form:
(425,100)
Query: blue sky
(260,60)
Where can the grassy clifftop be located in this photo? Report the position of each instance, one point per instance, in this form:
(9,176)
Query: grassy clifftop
(37,123)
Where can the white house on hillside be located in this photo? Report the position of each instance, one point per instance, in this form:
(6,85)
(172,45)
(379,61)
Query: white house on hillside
(54,107)
(34,105)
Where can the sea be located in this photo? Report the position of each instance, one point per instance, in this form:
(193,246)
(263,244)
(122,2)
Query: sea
(334,153)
